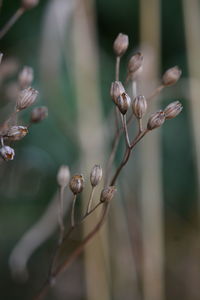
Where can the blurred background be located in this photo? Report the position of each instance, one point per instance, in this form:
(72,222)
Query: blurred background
(150,247)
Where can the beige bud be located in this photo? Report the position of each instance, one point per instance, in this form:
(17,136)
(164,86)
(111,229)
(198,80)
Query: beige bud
(171,76)
(38,114)
(28,4)
(96,175)
(107,193)
(63,176)
(7,153)
(25,77)
(135,62)
(139,106)
(120,44)
(26,98)
(156,120)
(76,184)
(116,90)
(173,110)
(123,103)
(16,133)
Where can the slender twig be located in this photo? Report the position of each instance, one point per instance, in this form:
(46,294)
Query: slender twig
(73,212)
(90,200)
(140,125)
(74,254)
(60,213)
(126,131)
(134,88)
(117,67)
(155,92)
(11,22)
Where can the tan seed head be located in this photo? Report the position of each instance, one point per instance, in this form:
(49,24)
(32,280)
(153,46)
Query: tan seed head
(171,76)
(156,120)
(96,175)
(107,193)
(173,110)
(76,184)
(120,44)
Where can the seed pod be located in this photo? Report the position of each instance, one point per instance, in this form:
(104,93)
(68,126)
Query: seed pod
(171,76)
(172,110)
(7,153)
(116,90)
(16,133)
(139,106)
(107,193)
(123,103)
(63,176)
(26,98)
(25,77)
(76,184)
(120,44)
(135,62)
(38,114)
(96,175)
(28,4)
(156,120)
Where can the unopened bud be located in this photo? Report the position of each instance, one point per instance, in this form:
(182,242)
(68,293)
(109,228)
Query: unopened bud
(38,114)
(123,103)
(63,176)
(107,193)
(171,76)
(156,120)
(25,77)
(139,106)
(96,175)
(28,4)
(7,153)
(173,110)
(120,44)
(135,62)
(76,184)
(116,90)
(26,98)
(16,133)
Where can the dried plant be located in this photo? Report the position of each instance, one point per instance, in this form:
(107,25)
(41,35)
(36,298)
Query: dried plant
(134,106)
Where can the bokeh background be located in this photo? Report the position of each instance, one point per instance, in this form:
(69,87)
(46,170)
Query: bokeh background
(149,248)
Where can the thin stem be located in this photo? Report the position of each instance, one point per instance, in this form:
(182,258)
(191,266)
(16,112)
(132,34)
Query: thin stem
(155,92)
(2,142)
(90,200)
(74,254)
(126,131)
(89,213)
(11,22)
(117,67)
(60,213)
(140,125)
(134,88)
(73,212)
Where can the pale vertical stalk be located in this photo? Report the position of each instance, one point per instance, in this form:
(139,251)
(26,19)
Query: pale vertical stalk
(11,22)
(73,211)
(192,25)
(151,177)
(61,213)
(85,66)
(90,200)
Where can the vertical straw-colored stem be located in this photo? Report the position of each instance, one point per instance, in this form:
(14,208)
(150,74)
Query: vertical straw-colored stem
(191,11)
(73,212)
(11,22)
(117,67)
(90,200)
(151,177)
(60,213)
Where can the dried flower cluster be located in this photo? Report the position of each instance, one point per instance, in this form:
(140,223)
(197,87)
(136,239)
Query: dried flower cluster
(10,130)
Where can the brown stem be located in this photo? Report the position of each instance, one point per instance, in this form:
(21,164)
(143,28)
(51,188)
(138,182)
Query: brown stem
(117,67)
(11,22)
(74,254)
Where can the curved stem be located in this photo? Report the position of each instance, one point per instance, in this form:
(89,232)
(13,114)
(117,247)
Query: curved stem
(11,22)
(90,200)
(73,212)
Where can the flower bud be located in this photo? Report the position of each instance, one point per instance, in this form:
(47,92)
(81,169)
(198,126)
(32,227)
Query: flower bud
(123,103)
(16,133)
(156,120)
(96,175)
(76,184)
(63,176)
(116,90)
(120,44)
(38,114)
(171,76)
(25,77)
(28,4)
(7,153)
(26,98)
(135,62)
(139,106)
(173,110)
(107,193)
